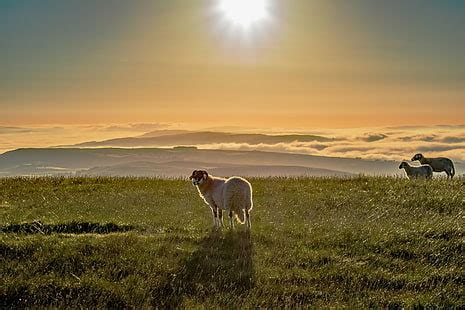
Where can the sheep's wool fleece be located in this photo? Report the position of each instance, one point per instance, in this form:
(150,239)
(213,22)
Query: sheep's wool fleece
(233,194)
(237,194)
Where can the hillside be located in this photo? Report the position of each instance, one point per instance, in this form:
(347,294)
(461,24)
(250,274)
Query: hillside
(176,137)
(147,243)
(180,162)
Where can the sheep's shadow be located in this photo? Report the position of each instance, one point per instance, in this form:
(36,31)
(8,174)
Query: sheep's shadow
(222,265)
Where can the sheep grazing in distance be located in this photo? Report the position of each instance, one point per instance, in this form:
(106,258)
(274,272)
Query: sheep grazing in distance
(440,164)
(423,171)
(233,195)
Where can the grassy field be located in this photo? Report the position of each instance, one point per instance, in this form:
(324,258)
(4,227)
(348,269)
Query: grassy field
(122,242)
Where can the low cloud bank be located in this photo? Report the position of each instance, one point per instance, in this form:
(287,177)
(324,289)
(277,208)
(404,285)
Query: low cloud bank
(393,143)
(389,144)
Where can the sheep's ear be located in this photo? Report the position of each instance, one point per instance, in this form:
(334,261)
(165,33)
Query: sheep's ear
(205,174)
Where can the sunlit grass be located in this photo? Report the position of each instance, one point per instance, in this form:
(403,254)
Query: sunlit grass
(120,242)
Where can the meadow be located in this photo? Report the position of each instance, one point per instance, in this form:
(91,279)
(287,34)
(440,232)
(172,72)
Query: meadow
(315,242)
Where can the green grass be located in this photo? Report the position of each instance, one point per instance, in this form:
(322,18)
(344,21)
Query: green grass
(123,242)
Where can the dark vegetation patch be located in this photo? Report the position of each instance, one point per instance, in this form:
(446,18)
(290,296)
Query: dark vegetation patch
(446,235)
(38,227)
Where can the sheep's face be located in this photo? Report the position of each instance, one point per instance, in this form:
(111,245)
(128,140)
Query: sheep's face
(417,157)
(402,165)
(198,177)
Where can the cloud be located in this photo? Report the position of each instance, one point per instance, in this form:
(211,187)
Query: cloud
(138,127)
(427,138)
(293,147)
(441,147)
(453,139)
(374,137)
(410,128)
(392,145)
(9,130)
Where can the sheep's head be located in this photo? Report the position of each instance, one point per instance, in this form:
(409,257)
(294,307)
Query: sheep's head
(198,177)
(417,157)
(403,165)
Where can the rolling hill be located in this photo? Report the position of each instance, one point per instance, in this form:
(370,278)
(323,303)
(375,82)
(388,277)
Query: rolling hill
(180,161)
(181,137)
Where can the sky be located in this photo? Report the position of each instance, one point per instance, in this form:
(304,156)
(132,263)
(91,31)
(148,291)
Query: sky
(310,64)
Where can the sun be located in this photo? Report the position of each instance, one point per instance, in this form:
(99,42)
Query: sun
(244,13)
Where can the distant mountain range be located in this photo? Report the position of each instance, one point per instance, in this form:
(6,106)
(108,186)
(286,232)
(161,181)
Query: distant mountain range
(180,161)
(182,137)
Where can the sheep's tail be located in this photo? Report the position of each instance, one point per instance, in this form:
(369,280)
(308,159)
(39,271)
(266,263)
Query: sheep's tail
(240,216)
(452,171)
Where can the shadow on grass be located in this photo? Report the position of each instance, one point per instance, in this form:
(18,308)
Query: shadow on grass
(222,268)
(65,228)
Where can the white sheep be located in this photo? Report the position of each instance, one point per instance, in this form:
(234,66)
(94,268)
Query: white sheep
(423,171)
(440,164)
(233,195)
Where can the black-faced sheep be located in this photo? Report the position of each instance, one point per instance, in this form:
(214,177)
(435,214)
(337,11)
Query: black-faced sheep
(440,164)
(423,171)
(233,195)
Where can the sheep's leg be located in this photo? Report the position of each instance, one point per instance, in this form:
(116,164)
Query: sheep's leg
(220,217)
(231,222)
(215,216)
(247,219)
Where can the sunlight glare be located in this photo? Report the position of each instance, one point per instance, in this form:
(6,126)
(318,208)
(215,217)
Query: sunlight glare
(244,13)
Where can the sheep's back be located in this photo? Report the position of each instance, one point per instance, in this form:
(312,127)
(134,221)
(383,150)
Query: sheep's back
(238,191)
(440,164)
(423,171)
(428,170)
